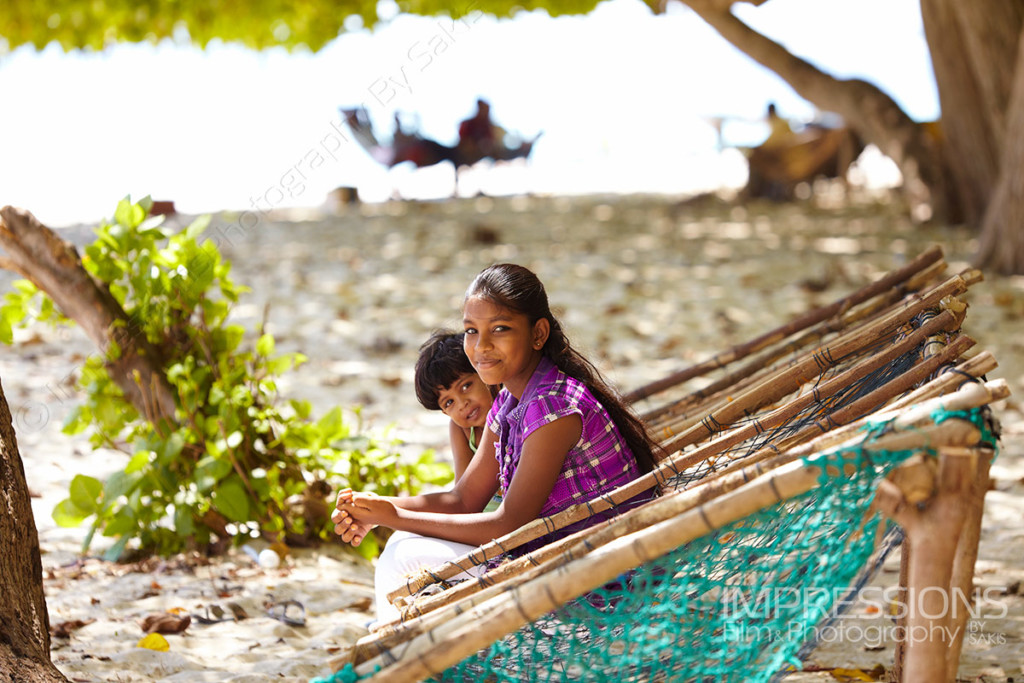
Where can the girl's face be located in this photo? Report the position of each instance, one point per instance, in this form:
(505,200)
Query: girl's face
(502,345)
(466,401)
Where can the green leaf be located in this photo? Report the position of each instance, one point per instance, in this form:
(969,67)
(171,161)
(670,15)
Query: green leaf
(113,350)
(76,422)
(201,271)
(129,215)
(85,492)
(233,335)
(46,309)
(209,471)
(115,551)
(302,409)
(331,425)
(183,523)
(282,364)
(265,345)
(137,462)
(26,287)
(122,524)
(172,447)
(434,473)
(232,501)
(369,548)
(176,371)
(197,227)
(67,514)
(216,396)
(121,484)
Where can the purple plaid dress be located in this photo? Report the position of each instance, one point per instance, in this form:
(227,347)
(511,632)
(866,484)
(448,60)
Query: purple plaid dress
(599,462)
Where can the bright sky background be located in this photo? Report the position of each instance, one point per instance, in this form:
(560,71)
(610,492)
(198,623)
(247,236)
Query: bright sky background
(623,99)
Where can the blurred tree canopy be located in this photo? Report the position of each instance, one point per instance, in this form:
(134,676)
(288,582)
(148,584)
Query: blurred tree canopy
(965,168)
(256,23)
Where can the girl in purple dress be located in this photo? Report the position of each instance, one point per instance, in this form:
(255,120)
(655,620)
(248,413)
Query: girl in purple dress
(556,435)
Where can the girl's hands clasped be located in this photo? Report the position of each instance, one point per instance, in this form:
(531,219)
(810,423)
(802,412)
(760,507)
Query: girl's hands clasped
(358,512)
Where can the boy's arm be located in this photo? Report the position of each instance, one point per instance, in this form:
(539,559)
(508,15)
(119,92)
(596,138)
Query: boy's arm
(461,452)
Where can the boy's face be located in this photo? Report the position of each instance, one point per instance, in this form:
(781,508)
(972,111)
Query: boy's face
(466,401)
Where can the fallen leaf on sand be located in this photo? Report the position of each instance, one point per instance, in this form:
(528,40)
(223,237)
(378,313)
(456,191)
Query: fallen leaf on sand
(841,674)
(238,611)
(154,641)
(64,628)
(165,622)
(361,605)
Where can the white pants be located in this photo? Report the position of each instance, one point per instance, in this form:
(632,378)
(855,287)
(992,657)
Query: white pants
(405,554)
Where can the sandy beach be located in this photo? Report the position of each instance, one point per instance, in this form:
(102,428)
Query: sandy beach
(644,285)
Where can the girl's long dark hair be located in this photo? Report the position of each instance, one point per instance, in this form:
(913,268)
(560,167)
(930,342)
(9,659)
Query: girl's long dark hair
(519,290)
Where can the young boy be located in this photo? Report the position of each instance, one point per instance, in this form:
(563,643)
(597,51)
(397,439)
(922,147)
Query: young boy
(446,381)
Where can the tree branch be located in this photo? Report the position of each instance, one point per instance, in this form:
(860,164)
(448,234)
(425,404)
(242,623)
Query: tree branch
(869,111)
(38,254)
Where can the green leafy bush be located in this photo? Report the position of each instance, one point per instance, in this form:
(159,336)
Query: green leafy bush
(238,461)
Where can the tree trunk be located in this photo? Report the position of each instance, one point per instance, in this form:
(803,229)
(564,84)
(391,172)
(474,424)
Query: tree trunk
(973,45)
(53,265)
(869,111)
(24,622)
(1002,230)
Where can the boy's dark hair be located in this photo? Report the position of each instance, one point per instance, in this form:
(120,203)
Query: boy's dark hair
(442,361)
(519,290)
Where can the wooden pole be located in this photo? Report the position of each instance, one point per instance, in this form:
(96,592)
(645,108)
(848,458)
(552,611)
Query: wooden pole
(933,347)
(900,650)
(830,427)
(962,581)
(861,316)
(933,525)
(794,377)
(888,282)
(867,333)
